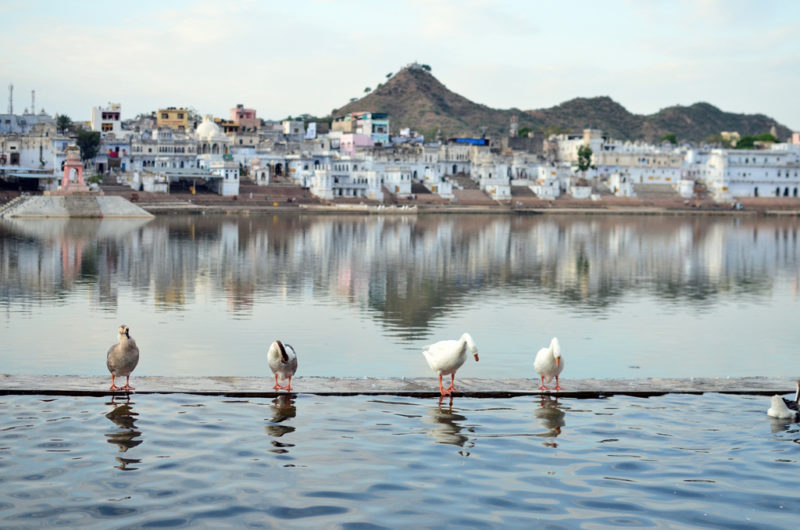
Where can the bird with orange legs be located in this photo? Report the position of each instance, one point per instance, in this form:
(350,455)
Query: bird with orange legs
(446,357)
(549,363)
(122,358)
(282,360)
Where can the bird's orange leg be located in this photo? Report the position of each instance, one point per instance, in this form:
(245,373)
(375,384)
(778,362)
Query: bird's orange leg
(451,388)
(289,386)
(441,388)
(277,386)
(543,387)
(557,387)
(113,386)
(128,384)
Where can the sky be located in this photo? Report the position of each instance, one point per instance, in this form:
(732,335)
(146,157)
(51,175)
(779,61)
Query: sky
(285,58)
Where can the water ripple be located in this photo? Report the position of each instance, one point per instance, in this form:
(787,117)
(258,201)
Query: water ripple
(356,462)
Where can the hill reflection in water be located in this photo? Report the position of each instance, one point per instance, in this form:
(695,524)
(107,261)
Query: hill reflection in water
(629,296)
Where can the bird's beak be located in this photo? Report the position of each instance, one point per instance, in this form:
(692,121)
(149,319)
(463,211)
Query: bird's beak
(476,356)
(558,361)
(128,333)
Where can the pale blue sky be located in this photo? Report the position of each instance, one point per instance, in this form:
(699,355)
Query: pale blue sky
(286,58)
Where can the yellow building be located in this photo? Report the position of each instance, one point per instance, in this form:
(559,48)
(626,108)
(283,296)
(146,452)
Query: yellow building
(176,119)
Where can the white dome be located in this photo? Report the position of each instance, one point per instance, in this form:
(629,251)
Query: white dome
(208,130)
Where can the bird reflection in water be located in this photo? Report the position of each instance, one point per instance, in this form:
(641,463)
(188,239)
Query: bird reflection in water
(551,417)
(127,436)
(283,409)
(448,427)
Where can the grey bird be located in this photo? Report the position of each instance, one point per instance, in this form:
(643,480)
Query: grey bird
(122,358)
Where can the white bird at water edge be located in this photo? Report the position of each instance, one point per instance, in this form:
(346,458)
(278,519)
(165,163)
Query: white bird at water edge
(782,408)
(549,364)
(446,357)
(122,358)
(282,362)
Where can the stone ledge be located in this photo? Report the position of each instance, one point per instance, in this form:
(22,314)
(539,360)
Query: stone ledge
(413,387)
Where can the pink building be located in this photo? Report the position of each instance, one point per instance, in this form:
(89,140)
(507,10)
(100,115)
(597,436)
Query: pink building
(796,138)
(349,143)
(245,118)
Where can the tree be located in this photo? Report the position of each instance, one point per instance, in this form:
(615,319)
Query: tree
(669,138)
(388,75)
(584,159)
(63,123)
(426,67)
(89,142)
(367,89)
(749,142)
(523,132)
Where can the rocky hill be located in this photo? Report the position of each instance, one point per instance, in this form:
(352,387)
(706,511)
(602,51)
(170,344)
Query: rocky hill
(415,98)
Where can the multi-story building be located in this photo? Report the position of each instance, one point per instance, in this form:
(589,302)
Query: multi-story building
(107,119)
(640,163)
(753,173)
(174,118)
(245,119)
(373,124)
(162,149)
(567,145)
(23,124)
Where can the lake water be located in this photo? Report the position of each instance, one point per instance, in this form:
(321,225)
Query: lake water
(676,461)
(628,296)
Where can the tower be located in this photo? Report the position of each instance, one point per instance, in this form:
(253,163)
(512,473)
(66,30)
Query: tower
(33,102)
(11,98)
(514,126)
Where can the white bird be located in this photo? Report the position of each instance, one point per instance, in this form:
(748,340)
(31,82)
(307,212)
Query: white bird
(447,356)
(782,408)
(122,358)
(283,363)
(549,364)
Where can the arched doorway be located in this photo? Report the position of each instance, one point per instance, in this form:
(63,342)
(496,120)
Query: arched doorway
(278,169)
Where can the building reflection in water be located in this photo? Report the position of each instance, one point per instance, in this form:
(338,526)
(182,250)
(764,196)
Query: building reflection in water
(551,417)
(447,426)
(126,436)
(400,278)
(283,409)
(404,270)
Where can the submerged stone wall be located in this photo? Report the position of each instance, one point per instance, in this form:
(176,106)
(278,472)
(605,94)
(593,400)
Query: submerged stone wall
(414,387)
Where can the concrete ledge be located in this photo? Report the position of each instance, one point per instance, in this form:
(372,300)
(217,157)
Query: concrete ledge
(416,387)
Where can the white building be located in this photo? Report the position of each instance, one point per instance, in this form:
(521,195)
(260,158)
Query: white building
(107,119)
(163,149)
(639,162)
(353,177)
(753,173)
(225,176)
(397,180)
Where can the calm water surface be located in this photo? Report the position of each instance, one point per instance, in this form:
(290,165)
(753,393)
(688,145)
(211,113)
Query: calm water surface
(628,296)
(179,460)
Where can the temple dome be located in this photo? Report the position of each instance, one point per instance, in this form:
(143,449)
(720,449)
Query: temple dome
(208,130)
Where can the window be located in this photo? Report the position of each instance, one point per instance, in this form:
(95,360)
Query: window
(180,115)
(164,115)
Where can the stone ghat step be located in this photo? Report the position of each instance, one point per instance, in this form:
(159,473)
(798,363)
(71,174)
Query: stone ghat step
(413,387)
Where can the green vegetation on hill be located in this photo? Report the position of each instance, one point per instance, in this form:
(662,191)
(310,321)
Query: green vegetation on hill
(414,98)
